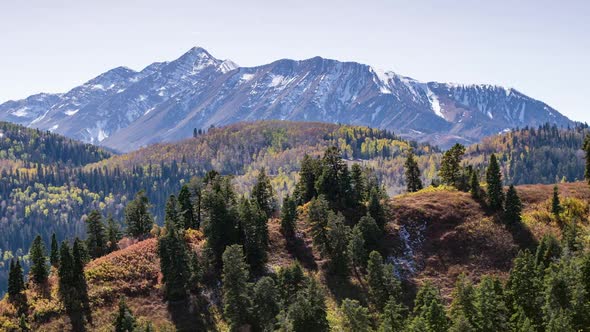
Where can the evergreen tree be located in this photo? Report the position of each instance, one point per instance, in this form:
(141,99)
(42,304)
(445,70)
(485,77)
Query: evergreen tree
(54,255)
(113,234)
(376,209)
(318,213)
(173,253)
(96,241)
(172,216)
(220,217)
(513,207)
(462,306)
(79,285)
(236,302)
(186,210)
(137,216)
(333,181)
(305,188)
(494,181)
(289,218)
(524,289)
(338,238)
(450,166)
(263,193)
(548,251)
(461,324)
(308,311)
(393,317)
(73,290)
(382,285)
(265,304)
(491,312)
(356,317)
(38,258)
(16,283)
(357,249)
(371,233)
(290,280)
(474,187)
(555,203)
(413,181)
(253,223)
(23,325)
(125,321)
(196,272)
(428,307)
(358,185)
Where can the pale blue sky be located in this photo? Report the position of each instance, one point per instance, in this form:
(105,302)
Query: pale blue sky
(541,48)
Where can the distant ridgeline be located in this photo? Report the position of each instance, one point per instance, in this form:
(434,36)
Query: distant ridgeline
(49,183)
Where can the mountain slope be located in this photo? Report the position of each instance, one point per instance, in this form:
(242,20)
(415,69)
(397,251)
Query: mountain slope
(125,110)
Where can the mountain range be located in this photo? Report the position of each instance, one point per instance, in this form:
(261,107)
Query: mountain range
(124,110)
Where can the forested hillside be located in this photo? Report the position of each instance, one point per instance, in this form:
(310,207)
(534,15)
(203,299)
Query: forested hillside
(335,255)
(49,183)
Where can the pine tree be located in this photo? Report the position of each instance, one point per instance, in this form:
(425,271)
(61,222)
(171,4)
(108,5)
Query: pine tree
(96,241)
(125,321)
(263,193)
(513,207)
(54,255)
(356,317)
(265,304)
(308,311)
(137,216)
(289,218)
(555,203)
(450,166)
(236,302)
(38,258)
(413,181)
(186,209)
(113,234)
(173,253)
(494,181)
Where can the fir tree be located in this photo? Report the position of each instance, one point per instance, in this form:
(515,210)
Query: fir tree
(338,238)
(428,307)
(305,188)
(358,185)
(548,251)
(79,285)
(393,317)
(382,285)
(356,317)
(113,234)
(263,193)
(333,181)
(125,321)
(16,283)
(462,306)
(289,218)
(54,255)
(474,187)
(308,311)
(186,210)
(555,203)
(253,223)
(513,207)
(96,241)
(290,280)
(524,288)
(38,258)
(265,304)
(450,166)
(173,253)
(318,213)
(413,181)
(494,181)
(357,249)
(371,233)
(491,311)
(376,209)
(236,302)
(137,216)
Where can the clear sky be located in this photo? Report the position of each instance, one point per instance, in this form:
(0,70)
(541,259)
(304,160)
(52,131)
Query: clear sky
(539,47)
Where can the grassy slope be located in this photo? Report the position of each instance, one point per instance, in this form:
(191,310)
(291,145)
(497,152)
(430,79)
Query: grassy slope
(460,236)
